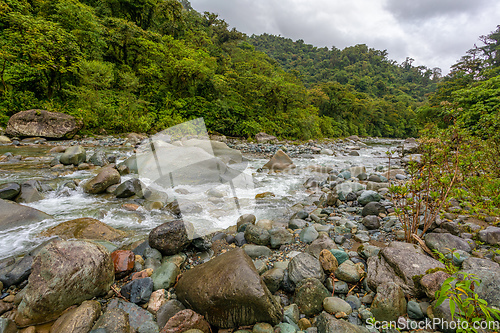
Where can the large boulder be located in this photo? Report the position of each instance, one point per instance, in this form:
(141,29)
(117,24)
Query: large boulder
(64,273)
(229,292)
(280,161)
(85,228)
(304,266)
(104,179)
(401,263)
(15,215)
(171,237)
(43,123)
(263,137)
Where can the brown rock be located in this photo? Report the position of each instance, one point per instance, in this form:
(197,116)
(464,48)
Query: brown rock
(280,161)
(157,299)
(142,274)
(78,320)
(328,261)
(4,307)
(304,324)
(123,262)
(105,178)
(43,123)
(130,207)
(229,292)
(185,320)
(114,320)
(432,282)
(85,228)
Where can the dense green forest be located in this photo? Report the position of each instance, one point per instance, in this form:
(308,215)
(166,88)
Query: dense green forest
(149,64)
(146,65)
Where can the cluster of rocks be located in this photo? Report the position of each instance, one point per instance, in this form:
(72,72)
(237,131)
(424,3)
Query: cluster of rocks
(331,266)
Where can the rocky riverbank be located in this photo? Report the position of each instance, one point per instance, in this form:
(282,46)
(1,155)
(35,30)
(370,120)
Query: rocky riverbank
(327,263)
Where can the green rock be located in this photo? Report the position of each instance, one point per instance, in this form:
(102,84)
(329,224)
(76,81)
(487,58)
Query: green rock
(164,276)
(340,255)
(389,303)
(308,234)
(285,328)
(333,305)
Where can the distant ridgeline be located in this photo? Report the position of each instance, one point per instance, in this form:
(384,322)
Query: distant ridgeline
(144,66)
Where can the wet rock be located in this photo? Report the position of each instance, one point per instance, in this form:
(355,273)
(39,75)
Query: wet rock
(78,320)
(138,291)
(444,242)
(168,310)
(414,310)
(304,266)
(244,219)
(123,262)
(226,296)
(64,273)
(104,179)
(309,296)
(165,276)
(99,158)
(15,215)
(128,188)
(185,320)
(18,272)
(30,192)
(9,191)
(157,300)
(170,237)
(84,228)
(389,303)
(73,155)
(113,320)
(280,161)
(140,320)
(43,124)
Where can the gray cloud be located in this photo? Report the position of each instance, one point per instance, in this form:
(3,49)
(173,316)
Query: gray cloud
(436,33)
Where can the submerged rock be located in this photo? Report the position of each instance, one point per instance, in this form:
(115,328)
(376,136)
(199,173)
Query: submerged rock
(15,215)
(85,228)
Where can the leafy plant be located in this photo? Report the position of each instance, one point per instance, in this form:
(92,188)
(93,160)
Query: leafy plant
(465,304)
(418,201)
(447,260)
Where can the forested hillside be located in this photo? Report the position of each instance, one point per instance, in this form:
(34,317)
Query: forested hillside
(146,65)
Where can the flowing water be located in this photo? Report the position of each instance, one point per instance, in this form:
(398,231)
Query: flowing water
(66,204)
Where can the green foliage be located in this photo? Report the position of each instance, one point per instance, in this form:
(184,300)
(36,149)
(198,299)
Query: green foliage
(465,304)
(418,201)
(447,260)
(145,65)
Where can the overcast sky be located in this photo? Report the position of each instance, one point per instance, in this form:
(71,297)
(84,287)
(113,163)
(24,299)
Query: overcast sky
(436,33)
